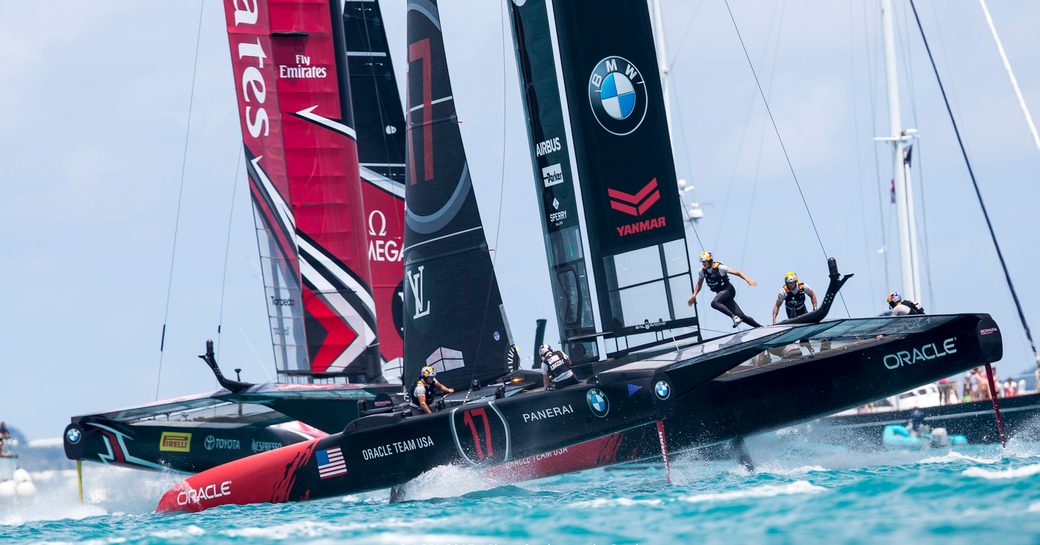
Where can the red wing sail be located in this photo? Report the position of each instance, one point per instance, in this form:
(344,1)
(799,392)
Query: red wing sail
(379,120)
(293,97)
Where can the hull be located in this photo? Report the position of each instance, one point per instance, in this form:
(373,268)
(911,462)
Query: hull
(196,433)
(703,395)
(974,420)
(168,445)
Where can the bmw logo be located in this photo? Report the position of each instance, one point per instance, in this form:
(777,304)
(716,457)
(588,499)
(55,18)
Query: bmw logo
(617,95)
(598,402)
(73,435)
(663,390)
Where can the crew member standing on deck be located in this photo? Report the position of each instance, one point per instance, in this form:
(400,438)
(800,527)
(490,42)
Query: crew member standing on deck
(903,307)
(425,389)
(792,296)
(716,275)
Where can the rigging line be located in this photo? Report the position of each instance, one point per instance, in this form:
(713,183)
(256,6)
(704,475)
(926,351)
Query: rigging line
(783,147)
(180,198)
(762,133)
(1011,74)
(492,282)
(871,67)
(924,223)
(780,139)
(239,159)
(743,137)
(776,129)
(975,185)
(855,147)
(686,33)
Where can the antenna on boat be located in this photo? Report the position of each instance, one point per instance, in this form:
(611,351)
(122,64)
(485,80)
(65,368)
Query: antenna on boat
(234,386)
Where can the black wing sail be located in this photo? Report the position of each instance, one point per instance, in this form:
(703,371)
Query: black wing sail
(453,317)
(605,171)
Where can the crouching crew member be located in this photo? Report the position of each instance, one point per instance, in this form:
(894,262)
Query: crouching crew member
(425,390)
(716,275)
(903,307)
(556,368)
(792,296)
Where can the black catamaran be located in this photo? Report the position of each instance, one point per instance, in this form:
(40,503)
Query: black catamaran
(665,392)
(327,190)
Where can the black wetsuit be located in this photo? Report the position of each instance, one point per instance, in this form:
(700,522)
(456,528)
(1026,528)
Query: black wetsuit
(725,294)
(558,366)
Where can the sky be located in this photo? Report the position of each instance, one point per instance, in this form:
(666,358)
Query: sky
(94,130)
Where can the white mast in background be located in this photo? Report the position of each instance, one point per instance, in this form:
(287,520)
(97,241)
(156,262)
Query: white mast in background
(694,212)
(908,256)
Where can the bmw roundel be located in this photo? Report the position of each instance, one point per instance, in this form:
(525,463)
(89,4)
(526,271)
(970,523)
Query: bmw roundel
(662,390)
(598,402)
(73,435)
(617,95)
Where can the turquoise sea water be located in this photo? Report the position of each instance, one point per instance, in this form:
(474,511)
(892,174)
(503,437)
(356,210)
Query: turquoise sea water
(803,492)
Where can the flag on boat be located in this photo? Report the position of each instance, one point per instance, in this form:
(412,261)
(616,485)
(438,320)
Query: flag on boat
(330,463)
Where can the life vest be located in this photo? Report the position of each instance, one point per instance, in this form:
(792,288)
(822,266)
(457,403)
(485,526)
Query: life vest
(557,364)
(914,307)
(431,393)
(714,278)
(794,300)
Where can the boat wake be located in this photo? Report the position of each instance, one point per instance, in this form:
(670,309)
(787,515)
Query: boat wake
(106,491)
(760,491)
(1003,474)
(447,481)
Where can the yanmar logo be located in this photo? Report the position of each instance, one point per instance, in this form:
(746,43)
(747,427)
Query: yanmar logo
(637,205)
(172,441)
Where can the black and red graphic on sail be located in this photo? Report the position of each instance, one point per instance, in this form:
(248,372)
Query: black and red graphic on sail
(453,314)
(379,120)
(290,76)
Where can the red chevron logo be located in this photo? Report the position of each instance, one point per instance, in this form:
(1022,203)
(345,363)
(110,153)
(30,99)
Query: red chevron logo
(635,205)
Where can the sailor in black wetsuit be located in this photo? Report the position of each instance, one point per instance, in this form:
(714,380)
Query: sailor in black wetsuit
(792,296)
(903,307)
(716,275)
(422,393)
(556,367)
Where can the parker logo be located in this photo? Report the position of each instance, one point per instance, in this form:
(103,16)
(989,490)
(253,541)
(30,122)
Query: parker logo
(635,205)
(175,441)
(552,175)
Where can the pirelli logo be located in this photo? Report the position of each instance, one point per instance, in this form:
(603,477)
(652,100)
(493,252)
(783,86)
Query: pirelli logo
(175,441)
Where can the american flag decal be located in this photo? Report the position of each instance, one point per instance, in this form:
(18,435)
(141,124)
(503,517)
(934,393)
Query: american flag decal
(330,463)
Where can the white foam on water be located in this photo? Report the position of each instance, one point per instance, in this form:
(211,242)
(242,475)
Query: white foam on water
(311,529)
(614,502)
(189,531)
(787,471)
(954,456)
(447,481)
(432,539)
(763,491)
(1003,474)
